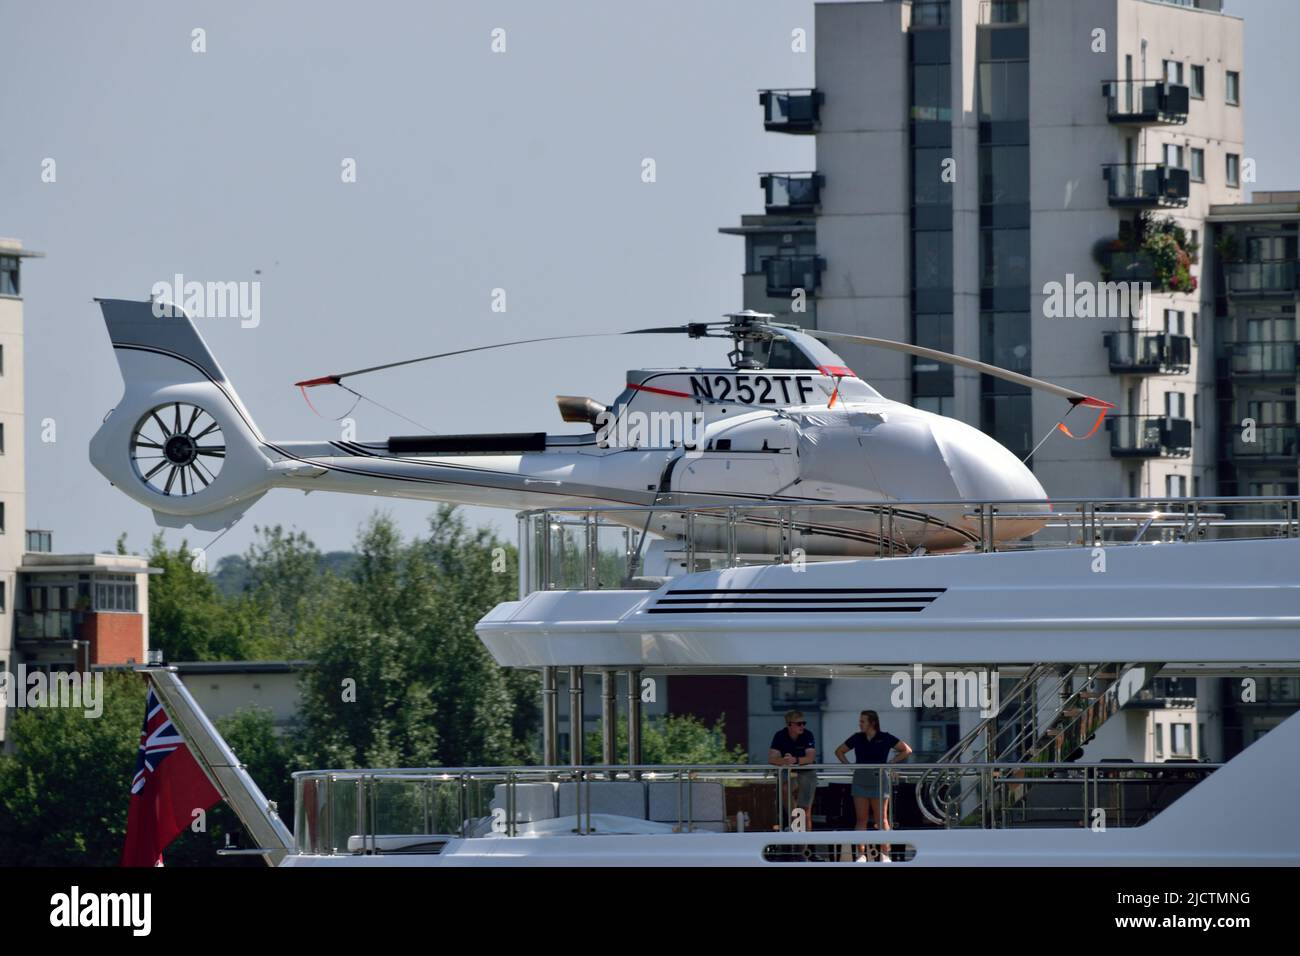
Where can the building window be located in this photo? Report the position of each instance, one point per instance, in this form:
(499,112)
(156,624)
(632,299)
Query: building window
(1173,321)
(2,517)
(1160,740)
(790,692)
(1174,71)
(1233,88)
(1175,486)
(4,598)
(1198,165)
(1180,740)
(115,592)
(1233,169)
(1198,83)
(1173,155)
(8,275)
(1175,404)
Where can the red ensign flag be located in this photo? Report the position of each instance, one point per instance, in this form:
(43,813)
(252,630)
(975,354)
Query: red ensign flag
(169,785)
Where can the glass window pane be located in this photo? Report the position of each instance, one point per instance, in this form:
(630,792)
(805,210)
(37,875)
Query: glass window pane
(1004,91)
(928,186)
(1004,259)
(932,263)
(1004,174)
(931,91)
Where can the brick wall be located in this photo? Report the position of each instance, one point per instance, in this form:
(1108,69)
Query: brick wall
(114,638)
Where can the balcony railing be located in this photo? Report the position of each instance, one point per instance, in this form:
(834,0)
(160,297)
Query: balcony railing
(1267,442)
(1003,13)
(1149,353)
(1262,277)
(1146,185)
(1146,436)
(791,192)
(1260,359)
(1139,102)
(45,626)
(787,273)
(790,111)
(1126,266)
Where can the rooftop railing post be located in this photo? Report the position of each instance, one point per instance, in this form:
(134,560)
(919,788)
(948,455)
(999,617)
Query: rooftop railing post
(575,717)
(634,719)
(550,717)
(732,558)
(690,542)
(608,717)
(526,545)
(545,583)
(590,552)
(510,803)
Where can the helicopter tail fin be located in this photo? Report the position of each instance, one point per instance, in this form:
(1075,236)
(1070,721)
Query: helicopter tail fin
(180,441)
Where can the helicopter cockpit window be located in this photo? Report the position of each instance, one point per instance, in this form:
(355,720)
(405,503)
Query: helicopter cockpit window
(781,353)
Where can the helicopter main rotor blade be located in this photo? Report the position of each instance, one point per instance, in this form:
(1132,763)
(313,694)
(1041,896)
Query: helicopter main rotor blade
(1075,397)
(338,377)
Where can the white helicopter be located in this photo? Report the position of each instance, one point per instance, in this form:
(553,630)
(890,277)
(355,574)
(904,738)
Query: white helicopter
(787,423)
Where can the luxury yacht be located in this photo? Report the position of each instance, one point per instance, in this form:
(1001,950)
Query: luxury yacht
(1084,615)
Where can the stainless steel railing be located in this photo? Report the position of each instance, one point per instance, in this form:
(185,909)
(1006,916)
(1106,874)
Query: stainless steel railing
(599,548)
(415,810)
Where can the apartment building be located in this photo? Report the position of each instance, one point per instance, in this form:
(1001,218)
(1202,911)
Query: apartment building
(1032,183)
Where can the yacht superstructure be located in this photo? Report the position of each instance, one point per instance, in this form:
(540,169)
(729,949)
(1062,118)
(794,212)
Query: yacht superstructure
(1083,616)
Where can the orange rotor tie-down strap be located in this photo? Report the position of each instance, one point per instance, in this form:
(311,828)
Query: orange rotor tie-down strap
(1101,413)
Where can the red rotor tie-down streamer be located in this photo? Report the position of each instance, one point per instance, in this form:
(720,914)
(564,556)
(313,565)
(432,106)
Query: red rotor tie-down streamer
(1101,413)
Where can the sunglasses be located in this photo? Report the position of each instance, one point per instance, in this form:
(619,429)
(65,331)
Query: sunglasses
(798,723)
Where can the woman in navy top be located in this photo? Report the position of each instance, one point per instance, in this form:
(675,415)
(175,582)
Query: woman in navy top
(871,745)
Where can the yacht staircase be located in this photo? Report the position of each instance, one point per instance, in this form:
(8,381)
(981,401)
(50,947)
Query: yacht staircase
(1047,717)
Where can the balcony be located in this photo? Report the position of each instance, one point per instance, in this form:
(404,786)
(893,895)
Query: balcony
(1145,102)
(1272,444)
(46,625)
(1262,277)
(1146,185)
(1147,353)
(785,274)
(1259,360)
(1146,436)
(791,192)
(790,111)
(1128,266)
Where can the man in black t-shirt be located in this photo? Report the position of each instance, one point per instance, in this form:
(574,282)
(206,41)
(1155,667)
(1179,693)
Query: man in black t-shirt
(794,746)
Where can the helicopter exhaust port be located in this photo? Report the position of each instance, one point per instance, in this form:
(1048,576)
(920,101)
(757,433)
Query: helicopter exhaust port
(579,409)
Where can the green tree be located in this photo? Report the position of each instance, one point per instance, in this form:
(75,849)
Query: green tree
(673,739)
(64,792)
(400,677)
(279,606)
(188,619)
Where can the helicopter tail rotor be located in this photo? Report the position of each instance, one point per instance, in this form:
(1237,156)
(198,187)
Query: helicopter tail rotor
(180,441)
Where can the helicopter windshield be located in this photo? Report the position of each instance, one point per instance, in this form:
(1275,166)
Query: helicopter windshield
(780,353)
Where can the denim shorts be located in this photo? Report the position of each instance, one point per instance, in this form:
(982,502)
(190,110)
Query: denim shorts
(866,783)
(805,786)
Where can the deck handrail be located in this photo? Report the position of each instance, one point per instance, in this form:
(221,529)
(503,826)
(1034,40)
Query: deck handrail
(360,814)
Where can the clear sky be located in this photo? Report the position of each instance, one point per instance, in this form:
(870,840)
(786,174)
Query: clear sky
(475,170)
